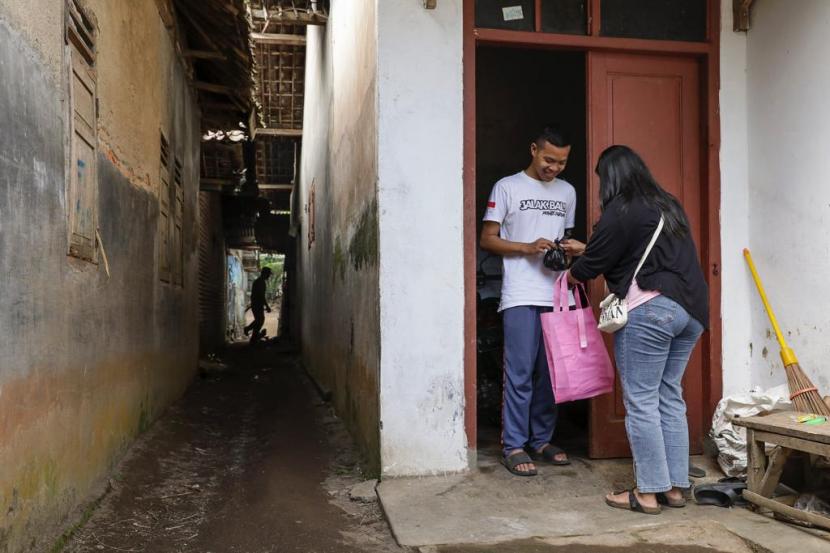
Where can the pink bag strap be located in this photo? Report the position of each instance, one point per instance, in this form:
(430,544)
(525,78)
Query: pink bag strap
(557,293)
(560,297)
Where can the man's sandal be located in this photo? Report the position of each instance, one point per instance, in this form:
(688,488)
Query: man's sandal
(548,454)
(514,460)
(633,504)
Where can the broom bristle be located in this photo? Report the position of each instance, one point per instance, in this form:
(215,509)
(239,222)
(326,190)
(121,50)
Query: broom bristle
(807,401)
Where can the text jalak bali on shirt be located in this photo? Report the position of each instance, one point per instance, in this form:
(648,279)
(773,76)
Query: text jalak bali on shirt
(549,207)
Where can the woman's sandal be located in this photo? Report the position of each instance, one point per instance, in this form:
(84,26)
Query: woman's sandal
(548,454)
(633,504)
(514,460)
(663,499)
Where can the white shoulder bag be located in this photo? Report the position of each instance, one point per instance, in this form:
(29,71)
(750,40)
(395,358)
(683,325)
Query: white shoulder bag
(613,309)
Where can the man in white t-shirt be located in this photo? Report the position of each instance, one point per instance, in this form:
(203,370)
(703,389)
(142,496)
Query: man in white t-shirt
(525,214)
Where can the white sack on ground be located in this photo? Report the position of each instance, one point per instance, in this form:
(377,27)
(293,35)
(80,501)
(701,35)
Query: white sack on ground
(731,440)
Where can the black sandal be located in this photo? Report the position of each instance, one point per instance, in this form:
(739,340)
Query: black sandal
(633,504)
(514,460)
(548,454)
(663,499)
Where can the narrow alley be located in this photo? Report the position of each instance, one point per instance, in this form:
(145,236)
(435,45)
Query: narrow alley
(251,460)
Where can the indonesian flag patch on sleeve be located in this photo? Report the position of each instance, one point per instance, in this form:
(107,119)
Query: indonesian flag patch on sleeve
(491,204)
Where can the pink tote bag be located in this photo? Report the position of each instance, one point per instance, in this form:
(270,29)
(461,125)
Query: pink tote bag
(577,359)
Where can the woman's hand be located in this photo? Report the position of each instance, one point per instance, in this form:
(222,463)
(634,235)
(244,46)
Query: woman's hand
(573,247)
(571,279)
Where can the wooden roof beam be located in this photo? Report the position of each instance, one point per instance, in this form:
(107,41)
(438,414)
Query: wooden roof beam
(291,17)
(204,55)
(211,87)
(279,132)
(281,39)
(283,187)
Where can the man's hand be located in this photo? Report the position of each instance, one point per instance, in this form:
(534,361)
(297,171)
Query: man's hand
(540,245)
(573,247)
(493,243)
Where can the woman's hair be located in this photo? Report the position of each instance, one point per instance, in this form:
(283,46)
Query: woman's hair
(622,173)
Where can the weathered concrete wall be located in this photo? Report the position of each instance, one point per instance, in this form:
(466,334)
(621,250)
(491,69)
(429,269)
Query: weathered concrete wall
(88,360)
(420,205)
(775,197)
(338,271)
(212,275)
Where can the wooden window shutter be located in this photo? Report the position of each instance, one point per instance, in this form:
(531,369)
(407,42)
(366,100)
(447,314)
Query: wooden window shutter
(178,213)
(82,196)
(164,211)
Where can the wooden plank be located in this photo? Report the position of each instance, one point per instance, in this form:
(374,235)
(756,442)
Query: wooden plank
(291,17)
(219,106)
(287,187)
(530,38)
(787,423)
(204,55)
(756,461)
(280,132)
(797,514)
(277,38)
(211,87)
(791,442)
(740,15)
(777,460)
(166,12)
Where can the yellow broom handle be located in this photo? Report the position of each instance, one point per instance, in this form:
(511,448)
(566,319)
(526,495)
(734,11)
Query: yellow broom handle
(787,354)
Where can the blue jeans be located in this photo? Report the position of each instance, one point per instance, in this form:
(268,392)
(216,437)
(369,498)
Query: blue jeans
(652,351)
(528,409)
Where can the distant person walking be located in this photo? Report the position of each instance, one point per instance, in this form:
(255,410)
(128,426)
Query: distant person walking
(668,308)
(258,306)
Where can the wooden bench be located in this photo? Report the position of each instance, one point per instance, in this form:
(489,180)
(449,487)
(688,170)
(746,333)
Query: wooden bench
(763,473)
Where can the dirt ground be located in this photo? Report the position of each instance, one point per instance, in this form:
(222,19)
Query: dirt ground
(249,461)
(272,321)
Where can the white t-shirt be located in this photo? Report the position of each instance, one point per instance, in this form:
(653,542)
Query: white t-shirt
(528,209)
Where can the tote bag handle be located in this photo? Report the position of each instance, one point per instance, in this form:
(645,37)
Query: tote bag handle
(561,304)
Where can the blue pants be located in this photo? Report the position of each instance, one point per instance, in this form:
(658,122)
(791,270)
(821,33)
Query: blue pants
(528,409)
(652,351)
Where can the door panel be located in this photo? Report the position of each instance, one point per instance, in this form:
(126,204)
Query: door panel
(652,104)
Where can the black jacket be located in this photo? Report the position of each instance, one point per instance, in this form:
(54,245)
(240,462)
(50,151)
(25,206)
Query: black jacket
(619,241)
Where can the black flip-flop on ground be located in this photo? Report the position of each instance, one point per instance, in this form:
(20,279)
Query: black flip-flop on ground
(721,494)
(696,472)
(733,480)
(663,499)
(548,455)
(514,460)
(633,504)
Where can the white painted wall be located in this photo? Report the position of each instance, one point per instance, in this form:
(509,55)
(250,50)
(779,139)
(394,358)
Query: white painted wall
(421,237)
(734,213)
(777,105)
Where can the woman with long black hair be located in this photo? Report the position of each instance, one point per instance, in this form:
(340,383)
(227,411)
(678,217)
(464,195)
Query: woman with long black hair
(667,311)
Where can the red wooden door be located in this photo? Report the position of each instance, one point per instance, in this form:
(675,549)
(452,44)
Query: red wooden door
(652,104)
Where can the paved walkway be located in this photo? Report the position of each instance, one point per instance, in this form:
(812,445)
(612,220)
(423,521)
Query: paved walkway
(562,509)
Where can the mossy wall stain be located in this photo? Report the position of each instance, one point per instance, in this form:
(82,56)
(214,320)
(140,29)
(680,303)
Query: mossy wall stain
(340,260)
(363,247)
